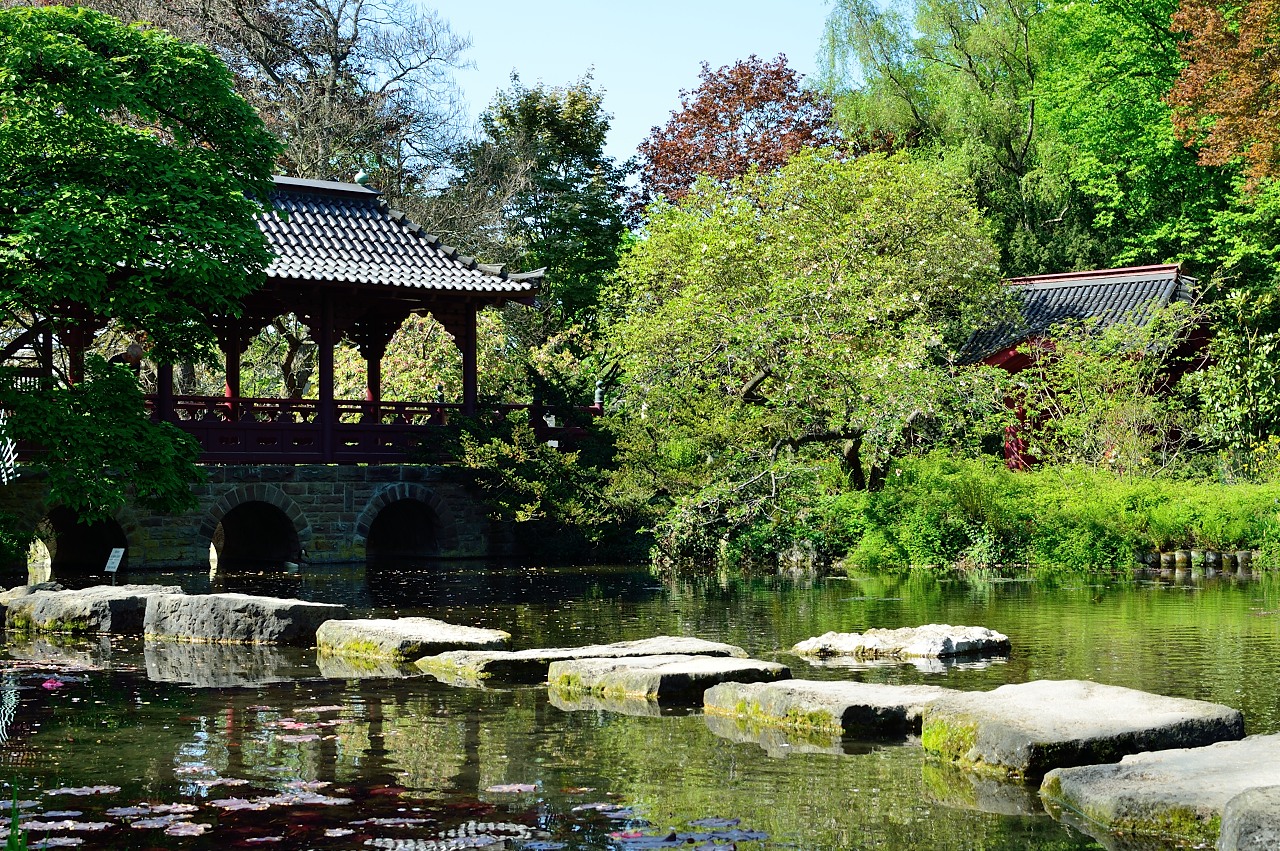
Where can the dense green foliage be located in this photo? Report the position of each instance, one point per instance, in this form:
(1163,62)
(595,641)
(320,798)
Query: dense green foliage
(131,170)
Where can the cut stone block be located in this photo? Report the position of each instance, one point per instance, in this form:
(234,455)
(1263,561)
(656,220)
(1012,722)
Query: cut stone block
(931,641)
(1251,821)
(834,707)
(403,639)
(1180,794)
(530,666)
(115,609)
(661,678)
(237,618)
(222,665)
(1027,729)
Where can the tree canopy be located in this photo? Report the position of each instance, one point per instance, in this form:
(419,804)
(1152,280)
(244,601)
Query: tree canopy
(133,171)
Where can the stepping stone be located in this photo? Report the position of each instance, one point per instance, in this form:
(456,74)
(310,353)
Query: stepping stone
(472,667)
(826,706)
(403,639)
(1028,729)
(115,609)
(236,618)
(222,665)
(958,789)
(365,668)
(1187,794)
(932,641)
(659,678)
(1251,821)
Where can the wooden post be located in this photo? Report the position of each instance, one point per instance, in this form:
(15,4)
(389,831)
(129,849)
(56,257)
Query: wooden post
(324,363)
(164,392)
(470,384)
(373,382)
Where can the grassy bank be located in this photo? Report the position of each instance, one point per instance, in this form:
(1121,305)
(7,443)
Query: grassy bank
(939,511)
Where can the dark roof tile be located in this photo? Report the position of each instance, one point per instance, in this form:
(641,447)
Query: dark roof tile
(346,232)
(1108,295)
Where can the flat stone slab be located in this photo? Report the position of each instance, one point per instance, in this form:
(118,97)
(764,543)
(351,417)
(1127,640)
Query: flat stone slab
(403,639)
(115,609)
(365,668)
(1177,794)
(530,666)
(236,618)
(1251,821)
(1028,729)
(932,641)
(584,702)
(826,706)
(672,678)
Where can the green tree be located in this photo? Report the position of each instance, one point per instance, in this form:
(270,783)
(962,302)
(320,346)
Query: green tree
(793,327)
(559,206)
(132,172)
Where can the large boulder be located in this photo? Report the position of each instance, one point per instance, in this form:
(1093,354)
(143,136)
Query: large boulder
(659,678)
(930,641)
(237,619)
(1251,821)
(826,706)
(403,639)
(116,609)
(473,667)
(1184,794)
(1027,729)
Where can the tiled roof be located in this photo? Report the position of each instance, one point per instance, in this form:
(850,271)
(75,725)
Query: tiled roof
(346,233)
(1108,295)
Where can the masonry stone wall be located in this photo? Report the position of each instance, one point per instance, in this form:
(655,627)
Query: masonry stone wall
(331,508)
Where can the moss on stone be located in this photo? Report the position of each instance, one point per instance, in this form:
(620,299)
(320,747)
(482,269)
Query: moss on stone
(949,738)
(358,647)
(1168,823)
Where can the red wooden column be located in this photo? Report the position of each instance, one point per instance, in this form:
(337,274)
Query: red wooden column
(467,344)
(327,413)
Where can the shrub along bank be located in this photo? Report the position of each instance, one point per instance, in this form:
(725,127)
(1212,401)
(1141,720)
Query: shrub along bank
(943,511)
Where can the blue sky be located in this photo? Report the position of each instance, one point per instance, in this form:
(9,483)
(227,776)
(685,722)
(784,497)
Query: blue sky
(641,54)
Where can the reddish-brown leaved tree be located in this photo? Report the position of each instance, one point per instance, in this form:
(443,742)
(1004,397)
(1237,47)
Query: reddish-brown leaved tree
(1226,99)
(750,113)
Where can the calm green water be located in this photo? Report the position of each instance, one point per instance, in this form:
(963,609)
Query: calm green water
(331,761)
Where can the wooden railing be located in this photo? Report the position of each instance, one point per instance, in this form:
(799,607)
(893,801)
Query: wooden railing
(290,431)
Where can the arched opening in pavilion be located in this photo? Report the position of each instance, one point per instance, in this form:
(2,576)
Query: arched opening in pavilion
(254,536)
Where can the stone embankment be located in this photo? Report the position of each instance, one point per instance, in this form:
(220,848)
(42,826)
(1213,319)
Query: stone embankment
(1114,761)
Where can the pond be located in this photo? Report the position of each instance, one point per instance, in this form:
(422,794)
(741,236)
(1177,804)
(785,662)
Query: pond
(268,750)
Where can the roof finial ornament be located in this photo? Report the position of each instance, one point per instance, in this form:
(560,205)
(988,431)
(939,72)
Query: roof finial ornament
(362,177)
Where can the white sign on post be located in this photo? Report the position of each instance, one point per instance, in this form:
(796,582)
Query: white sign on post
(113,561)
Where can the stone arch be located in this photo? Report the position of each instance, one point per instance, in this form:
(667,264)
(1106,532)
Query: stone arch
(401,497)
(78,549)
(281,520)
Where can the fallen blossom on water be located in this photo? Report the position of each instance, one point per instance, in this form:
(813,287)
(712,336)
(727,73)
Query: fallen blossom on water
(85,790)
(303,737)
(290,724)
(238,804)
(513,787)
(210,782)
(338,831)
(187,828)
(65,825)
(52,683)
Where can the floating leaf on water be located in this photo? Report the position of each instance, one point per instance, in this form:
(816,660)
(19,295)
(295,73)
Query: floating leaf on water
(187,828)
(175,808)
(338,831)
(319,709)
(259,709)
(513,787)
(22,805)
(57,842)
(577,790)
(392,822)
(716,822)
(85,790)
(239,804)
(303,798)
(308,785)
(130,812)
(210,782)
(256,839)
(599,806)
(62,814)
(158,822)
(543,845)
(195,768)
(65,825)
(741,835)
(301,737)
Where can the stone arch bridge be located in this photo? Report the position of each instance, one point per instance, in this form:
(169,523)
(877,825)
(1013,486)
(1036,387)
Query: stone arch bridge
(256,517)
